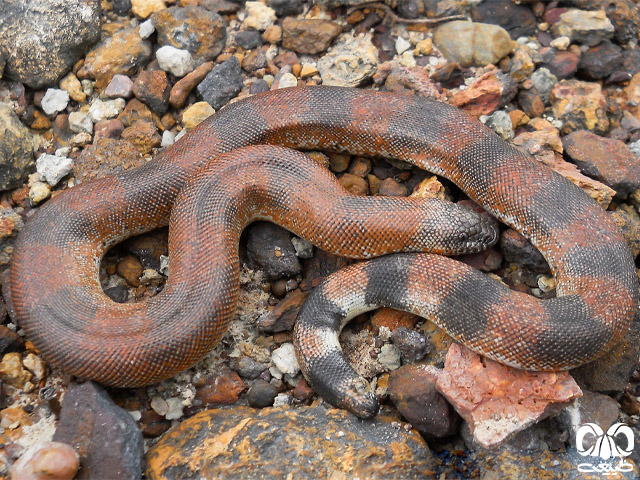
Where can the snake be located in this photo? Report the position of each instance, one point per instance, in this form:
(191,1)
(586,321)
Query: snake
(238,166)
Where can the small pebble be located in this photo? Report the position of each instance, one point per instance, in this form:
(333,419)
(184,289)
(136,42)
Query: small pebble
(168,138)
(285,359)
(53,168)
(561,43)
(402,45)
(174,411)
(196,113)
(80,122)
(160,406)
(39,192)
(259,16)
(120,86)
(146,29)
(54,101)
(389,357)
(304,249)
(103,109)
(287,80)
(47,461)
(178,62)
(261,394)
(73,87)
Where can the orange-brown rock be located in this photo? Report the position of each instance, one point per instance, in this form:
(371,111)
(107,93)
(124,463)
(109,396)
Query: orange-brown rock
(185,85)
(498,401)
(311,35)
(281,442)
(579,105)
(123,52)
(142,135)
(487,94)
(222,389)
(284,314)
(47,461)
(106,156)
(392,319)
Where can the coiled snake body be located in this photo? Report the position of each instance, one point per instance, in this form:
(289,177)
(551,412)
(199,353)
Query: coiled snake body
(59,302)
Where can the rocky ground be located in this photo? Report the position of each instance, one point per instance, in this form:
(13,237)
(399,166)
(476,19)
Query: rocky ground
(89,88)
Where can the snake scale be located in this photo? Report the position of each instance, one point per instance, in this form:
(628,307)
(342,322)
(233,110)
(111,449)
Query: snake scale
(217,178)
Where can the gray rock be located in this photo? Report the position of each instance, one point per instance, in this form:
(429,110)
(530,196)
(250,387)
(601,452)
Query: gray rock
(146,29)
(172,59)
(121,7)
(588,27)
(590,408)
(53,168)
(544,81)
(80,122)
(17,146)
(634,147)
(105,436)
(263,241)
(120,86)
(54,101)
(222,83)
(249,39)
(304,249)
(45,38)
(500,122)
(470,43)
(351,61)
(201,32)
(261,394)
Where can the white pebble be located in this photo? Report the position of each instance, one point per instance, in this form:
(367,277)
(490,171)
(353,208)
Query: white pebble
(102,109)
(287,80)
(172,59)
(389,357)
(282,400)
(259,16)
(284,358)
(561,43)
(175,408)
(402,45)
(52,168)
(80,122)
(54,101)
(160,406)
(168,138)
(146,29)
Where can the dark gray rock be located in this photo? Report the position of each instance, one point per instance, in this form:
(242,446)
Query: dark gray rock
(17,146)
(45,38)
(600,61)
(261,394)
(412,345)
(249,39)
(286,7)
(518,20)
(412,389)
(105,436)
(222,83)
(121,7)
(519,250)
(269,249)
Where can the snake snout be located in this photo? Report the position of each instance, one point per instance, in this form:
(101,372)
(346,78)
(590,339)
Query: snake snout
(478,231)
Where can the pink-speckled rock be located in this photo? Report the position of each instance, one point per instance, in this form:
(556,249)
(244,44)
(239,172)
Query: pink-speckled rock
(498,401)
